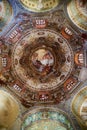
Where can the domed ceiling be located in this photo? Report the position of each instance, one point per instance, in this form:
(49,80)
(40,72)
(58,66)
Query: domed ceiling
(40,61)
(43,61)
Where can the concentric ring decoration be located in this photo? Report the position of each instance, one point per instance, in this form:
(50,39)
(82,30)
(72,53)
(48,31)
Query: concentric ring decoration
(40,60)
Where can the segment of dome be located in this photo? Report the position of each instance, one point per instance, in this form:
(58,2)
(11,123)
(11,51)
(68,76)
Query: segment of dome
(9,109)
(46,118)
(79,106)
(39,5)
(77,11)
(5,13)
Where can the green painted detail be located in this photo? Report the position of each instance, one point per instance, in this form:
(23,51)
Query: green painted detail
(46,125)
(60,121)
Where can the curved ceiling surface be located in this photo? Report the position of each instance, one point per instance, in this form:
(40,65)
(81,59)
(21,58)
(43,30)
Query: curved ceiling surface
(36,62)
(46,118)
(9,109)
(43,61)
(39,5)
(77,11)
(5,13)
(40,58)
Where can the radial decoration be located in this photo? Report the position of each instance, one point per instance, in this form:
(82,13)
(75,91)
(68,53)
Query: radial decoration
(46,118)
(39,5)
(40,60)
(5,13)
(77,11)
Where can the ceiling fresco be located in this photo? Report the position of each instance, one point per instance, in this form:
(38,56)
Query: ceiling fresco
(78,13)
(39,5)
(40,62)
(43,61)
(7,102)
(46,118)
(5,13)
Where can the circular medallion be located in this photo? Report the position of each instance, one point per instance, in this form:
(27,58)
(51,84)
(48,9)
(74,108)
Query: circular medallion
(46,119)
(42,60)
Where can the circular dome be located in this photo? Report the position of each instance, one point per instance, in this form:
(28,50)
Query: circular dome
(77,11)
(5,13)
(46,118)
(40,60)
(9,109)
(39,5)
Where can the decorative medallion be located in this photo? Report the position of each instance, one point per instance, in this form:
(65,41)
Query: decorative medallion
(40,60)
